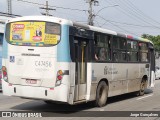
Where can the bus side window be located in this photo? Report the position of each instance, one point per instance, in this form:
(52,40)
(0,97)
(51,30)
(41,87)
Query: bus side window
(96,54)
(103,54)
(102,47)
(119,48)
(144,57)
(115,56)
(132,51)
(96,49)
(143,52)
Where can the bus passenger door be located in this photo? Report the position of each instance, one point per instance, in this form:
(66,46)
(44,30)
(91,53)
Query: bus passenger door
(151,82)
(80,69)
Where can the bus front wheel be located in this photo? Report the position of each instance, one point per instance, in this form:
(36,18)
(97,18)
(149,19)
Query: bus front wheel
(101,94)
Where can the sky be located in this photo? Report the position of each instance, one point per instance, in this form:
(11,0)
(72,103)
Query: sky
(135,17)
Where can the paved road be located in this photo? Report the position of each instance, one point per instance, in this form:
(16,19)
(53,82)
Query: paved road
(149,102)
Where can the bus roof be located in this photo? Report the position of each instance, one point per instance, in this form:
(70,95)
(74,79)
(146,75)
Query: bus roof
(71,23)
(42,18)
(107,31)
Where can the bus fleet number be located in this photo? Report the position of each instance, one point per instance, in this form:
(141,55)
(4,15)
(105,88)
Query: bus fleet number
(43,63)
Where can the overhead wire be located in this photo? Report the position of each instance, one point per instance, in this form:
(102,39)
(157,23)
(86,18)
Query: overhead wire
(39,4)
(71,15)
(121,9)
(132,11)
(52,6)
(111,22)
(140,12)
(130,24)
(117,26)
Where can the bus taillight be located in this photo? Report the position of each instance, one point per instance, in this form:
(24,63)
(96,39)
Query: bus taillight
(59,77)
(4,73)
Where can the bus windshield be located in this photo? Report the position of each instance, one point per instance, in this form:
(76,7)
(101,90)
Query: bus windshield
(33,33)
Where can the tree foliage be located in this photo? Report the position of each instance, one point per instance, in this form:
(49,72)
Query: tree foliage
(154,39)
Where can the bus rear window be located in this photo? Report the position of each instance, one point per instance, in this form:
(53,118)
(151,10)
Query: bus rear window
(33,33)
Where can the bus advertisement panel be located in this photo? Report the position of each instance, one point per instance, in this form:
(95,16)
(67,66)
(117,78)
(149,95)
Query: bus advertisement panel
(33,32)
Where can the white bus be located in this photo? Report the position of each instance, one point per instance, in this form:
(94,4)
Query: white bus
(57,60)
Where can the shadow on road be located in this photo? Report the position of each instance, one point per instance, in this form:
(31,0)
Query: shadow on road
(148,91)
(38,105)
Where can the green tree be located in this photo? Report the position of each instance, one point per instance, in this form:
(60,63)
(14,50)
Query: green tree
(154,39)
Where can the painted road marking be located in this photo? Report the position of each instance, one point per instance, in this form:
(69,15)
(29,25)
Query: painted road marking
(144,97)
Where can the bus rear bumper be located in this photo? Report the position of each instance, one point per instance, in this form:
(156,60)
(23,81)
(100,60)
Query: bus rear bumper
(59,93)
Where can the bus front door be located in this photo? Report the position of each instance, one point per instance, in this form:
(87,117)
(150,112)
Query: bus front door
(80,69)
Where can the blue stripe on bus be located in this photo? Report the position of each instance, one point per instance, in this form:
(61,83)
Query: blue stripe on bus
(63,49)
(5,49)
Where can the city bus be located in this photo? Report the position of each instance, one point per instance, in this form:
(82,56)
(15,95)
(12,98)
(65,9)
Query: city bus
(57,60)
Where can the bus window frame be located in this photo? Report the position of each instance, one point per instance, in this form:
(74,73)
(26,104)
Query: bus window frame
(74,33)
(116,50)
(131,50)
(148,53)
(109,48)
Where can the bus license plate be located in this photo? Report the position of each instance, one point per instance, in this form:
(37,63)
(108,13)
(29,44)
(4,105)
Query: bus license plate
(30,81)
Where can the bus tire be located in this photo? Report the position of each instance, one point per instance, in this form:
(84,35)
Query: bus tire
(142,88)
(101,94)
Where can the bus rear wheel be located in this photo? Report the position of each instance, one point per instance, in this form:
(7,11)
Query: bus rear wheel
(101,94)
(142,87)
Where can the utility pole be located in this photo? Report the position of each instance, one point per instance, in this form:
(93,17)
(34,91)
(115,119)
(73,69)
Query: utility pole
(47,9)
(9,2)
(90,11)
